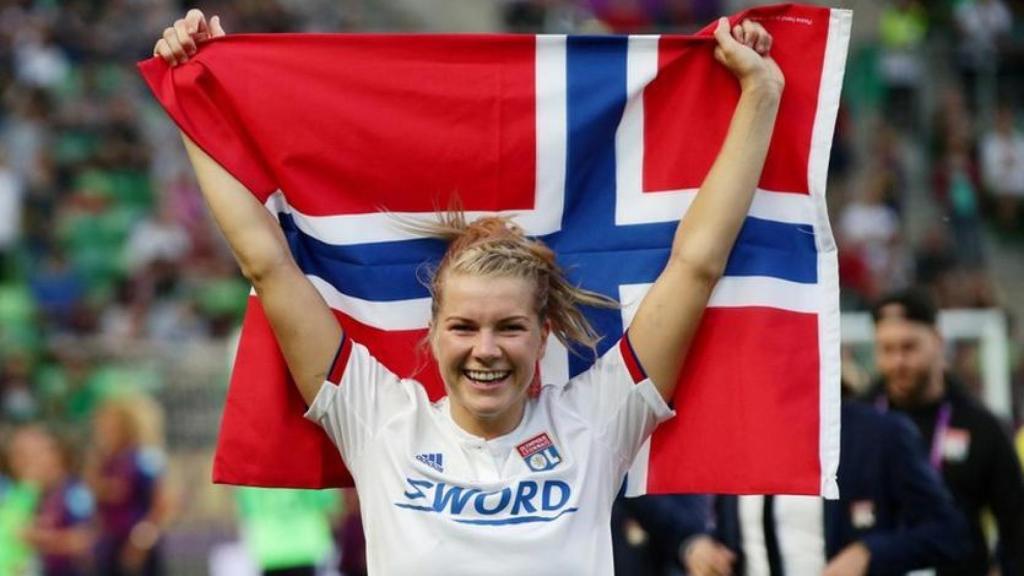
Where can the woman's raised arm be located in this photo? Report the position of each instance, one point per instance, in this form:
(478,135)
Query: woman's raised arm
(668,316)
(304,325)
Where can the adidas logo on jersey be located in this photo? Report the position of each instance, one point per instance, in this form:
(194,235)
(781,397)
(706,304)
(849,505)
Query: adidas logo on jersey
(433,459)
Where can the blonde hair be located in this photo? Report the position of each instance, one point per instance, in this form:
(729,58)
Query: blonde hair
(141,418)
(495,246)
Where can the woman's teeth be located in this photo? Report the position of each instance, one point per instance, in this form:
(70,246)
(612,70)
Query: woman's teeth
(486,375)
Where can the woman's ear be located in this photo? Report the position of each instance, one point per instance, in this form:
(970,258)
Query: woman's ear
(432,338)
(545,331)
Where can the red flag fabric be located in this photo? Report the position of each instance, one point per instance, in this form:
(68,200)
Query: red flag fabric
(597,145)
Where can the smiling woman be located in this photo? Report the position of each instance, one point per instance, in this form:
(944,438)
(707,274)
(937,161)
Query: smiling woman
(488,339)
(504,475)
(497,295)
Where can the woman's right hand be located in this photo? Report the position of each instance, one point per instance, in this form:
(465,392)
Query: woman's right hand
(182,40)
(745,51)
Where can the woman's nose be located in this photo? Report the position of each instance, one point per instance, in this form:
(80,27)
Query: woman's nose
(486,346)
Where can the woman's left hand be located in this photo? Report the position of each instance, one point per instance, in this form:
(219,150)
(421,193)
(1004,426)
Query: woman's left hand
(744,50)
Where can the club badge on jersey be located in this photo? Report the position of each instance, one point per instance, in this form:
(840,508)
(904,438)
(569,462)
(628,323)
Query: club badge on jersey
(540,453)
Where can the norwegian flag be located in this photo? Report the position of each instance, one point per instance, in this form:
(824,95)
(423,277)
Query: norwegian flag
(595,144)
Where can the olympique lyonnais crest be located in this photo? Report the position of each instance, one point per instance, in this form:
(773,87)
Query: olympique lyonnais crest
(597,145)
(540,453)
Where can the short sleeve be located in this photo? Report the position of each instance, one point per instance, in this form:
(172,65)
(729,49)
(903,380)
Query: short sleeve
(619,400)
(356,397)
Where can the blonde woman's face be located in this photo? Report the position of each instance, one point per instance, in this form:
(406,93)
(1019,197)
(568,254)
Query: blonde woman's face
(488,340)
(34,457)
(110,430)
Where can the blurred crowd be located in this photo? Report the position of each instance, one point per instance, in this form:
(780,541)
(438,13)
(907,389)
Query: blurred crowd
(104,248)
(101,510)
(97,224)
(105,245)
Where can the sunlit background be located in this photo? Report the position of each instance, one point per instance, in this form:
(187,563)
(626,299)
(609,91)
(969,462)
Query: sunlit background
(115,286)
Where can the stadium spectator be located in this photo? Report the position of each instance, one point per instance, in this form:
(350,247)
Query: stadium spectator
(61,532)
(19,498)
(869,230)
(67,386)
(893,516)
(156,238)
(650,533)
(902,27)
(982,25)
(38,62)
(349,538)
(965,442)
(1020,444)
(287,531)
(126,471)
(59,291)
(11,205)
(17,401)
(1002,168)
(121,320)
(935,261)
(73,111)
(869,223)
(26,132)
(888,159)
(624,16)
(171,314)
(957,187)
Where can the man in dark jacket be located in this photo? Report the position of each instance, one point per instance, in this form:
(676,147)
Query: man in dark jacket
(963,439)
(893,515)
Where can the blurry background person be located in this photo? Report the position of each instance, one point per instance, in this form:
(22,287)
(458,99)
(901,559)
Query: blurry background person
(893,516)
(1020,444)
(19,497)
(126,473)
(650,533)
(349,538)
(869,226)
(61,530)
(1002,168)
(964,440)
(956,184)
(982,26)
(287,531)
(11,204)
(903,26)
(92,163)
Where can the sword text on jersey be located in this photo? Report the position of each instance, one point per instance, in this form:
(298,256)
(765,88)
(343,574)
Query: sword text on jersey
(523,502)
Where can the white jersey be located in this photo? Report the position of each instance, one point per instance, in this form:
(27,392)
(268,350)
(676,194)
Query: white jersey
(438,500)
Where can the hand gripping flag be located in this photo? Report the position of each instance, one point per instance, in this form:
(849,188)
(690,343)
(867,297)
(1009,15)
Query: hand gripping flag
(595,144)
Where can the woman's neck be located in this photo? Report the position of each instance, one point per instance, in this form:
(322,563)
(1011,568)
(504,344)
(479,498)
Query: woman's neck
(487,428)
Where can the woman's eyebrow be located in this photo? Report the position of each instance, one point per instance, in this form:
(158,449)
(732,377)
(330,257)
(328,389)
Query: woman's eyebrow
(457,319)
(516,318)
